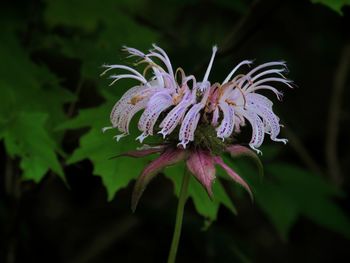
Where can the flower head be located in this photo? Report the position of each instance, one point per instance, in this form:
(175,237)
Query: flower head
(196,119)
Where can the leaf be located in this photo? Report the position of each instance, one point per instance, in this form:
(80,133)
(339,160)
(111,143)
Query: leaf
(335,5)
(98,147)
(102,28)
(27,87)
(203,204)
(313,197)
(288,192)
(27,138)
(279,207)
(31,104)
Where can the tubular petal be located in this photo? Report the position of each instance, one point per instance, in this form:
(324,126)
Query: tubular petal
(258,130)
(254,98)
(226,127)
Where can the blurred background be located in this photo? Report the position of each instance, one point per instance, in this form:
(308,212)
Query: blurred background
(63,200)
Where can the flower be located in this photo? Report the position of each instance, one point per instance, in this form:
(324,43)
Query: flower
(196,119)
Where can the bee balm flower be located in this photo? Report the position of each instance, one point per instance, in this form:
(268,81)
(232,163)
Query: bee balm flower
(207,115)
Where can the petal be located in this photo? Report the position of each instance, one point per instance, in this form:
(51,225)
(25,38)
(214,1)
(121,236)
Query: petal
(125,102)
(200,164)
(174,117)
(156,105)
(218,160)
(237,150)
(215,118)
(272,121)
(257,129)
(124,121)
(169,157)
(254,98)
(226,127)
(189,124)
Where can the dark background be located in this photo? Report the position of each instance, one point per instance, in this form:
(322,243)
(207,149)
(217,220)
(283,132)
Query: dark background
(52,221)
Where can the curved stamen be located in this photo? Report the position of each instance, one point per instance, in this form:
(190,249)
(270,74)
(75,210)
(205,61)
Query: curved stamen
(265,65)
(215,49)
(229,76)
(110,67)
(126,76)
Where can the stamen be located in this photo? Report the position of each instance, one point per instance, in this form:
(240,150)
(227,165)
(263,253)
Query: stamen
(229,76)
(110,67)
(126,76)
(206,76)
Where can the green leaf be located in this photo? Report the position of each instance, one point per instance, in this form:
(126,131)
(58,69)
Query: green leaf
(99,147)
(102,28)
(335,5)
(288,192)
(31,104)
(203,204)
(313,197)
(279,207)
(26,86)
(27,138)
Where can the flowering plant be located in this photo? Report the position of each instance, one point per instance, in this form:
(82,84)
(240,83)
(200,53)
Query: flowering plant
(198,120)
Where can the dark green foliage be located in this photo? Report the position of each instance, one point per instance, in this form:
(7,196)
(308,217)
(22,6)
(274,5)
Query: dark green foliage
(53,103)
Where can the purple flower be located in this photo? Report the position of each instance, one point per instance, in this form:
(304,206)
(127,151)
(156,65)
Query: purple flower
(196,119)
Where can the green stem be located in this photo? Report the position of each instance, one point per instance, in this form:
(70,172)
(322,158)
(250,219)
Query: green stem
(179,216)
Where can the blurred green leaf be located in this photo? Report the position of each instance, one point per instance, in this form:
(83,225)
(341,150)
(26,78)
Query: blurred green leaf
(26,86)
(101,29)
(289,192)
(279,207)
(335,5)
(31,104)
(313,196)
(27,137)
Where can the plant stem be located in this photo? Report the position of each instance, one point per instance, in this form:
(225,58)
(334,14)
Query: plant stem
(335,107)
(179,216)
